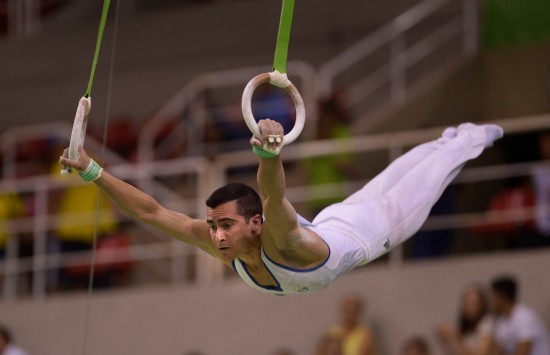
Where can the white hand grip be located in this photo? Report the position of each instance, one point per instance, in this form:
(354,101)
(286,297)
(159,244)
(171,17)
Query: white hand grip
(280,80)
(79,130)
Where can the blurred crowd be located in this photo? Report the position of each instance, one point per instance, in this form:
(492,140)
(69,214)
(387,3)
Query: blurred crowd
(490,320)
(7,343)
(516,212)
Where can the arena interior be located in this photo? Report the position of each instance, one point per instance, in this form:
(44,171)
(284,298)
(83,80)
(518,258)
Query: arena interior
(377,78)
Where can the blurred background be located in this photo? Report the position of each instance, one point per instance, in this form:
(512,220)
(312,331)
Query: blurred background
(377,78)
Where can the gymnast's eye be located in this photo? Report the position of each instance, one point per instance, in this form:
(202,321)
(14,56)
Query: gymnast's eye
(213,227)
(227,226)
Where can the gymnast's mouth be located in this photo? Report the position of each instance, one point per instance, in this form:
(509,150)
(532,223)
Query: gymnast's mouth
(223,248)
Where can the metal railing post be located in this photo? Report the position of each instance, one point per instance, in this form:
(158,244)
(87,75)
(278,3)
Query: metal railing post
(398,67)
(11,265)
(10,155)
(40,242)
(212,174)
(470,26)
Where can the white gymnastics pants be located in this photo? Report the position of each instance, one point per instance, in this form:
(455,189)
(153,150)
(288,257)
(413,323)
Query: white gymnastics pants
(394,205)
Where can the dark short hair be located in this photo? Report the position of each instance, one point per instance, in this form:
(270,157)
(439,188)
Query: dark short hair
(505,286)
(248,201)
(5,333)
(419,343)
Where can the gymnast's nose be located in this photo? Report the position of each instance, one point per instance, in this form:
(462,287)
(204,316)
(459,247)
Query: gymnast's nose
(220,236)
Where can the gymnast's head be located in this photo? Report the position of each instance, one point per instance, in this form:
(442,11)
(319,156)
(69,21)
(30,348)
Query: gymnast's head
(234,215)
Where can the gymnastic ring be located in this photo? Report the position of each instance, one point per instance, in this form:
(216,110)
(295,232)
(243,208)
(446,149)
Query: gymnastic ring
(277,79)
(78,133)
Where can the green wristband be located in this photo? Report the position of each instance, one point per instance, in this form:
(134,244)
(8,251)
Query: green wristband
(92,172)
(262,153)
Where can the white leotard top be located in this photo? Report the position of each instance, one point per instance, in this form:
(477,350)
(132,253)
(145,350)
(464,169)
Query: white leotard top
(344,254)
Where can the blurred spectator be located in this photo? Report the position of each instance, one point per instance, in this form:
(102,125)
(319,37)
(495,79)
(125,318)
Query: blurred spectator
(415,346)
(78,221)
(519,214)
(122,137)
(7,345)
(356,338)
(284,351)
(333,123)
(518,329)
(541,182)
(274,103)
(226,124)
(163,130)
(329,344)
(508,213)
(109,271)
(11,206)
(434,243)
(29,156)
(474,335)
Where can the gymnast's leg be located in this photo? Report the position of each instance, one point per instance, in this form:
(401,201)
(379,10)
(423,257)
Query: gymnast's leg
(388,178)
(392,207)
(408,203)
(400,167)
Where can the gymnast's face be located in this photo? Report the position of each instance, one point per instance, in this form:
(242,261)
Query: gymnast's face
(231,233)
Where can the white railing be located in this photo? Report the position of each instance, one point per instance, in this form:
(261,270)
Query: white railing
(401,55)
(186,97)
(210,175)
(42,186)
(317,84)
(23,17)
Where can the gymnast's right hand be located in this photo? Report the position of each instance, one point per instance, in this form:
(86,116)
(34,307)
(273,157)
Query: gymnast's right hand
(272,136)
(79,164)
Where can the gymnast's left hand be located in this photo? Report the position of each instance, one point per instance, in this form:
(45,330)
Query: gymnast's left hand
(79,164)
(270,131)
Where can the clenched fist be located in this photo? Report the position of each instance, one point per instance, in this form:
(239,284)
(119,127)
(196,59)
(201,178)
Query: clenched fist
(272,136)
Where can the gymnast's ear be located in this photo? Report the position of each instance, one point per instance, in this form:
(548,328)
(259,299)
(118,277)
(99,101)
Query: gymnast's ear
(257,221)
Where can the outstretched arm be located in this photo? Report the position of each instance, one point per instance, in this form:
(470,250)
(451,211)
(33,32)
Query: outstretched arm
(282,237)
(280,215)
(145,208)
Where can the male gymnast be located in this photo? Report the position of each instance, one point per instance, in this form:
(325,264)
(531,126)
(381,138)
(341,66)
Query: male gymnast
(275,250)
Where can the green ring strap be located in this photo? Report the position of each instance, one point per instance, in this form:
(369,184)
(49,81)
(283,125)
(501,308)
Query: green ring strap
(283,37)
(263,153)
(98,45)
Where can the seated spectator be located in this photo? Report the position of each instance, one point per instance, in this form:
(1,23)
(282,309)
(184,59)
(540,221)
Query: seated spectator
(541,182)
(77,223)
(284,351)
(11,206)
(518,329)
(329,345)
(7,346)
(274,103)
(519,214)
(333,123)
(474,334)
(356,338)
(30,158)
(416,346)
(122,137)
(508,211)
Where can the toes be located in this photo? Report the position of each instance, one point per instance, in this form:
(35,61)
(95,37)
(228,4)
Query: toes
(492,133)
